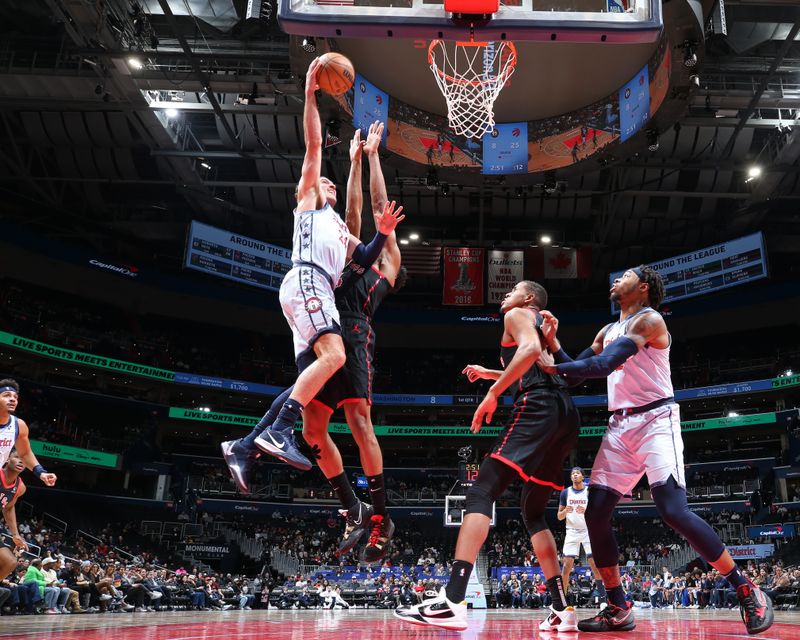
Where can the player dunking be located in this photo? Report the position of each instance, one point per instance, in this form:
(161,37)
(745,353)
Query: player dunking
(321,244)
(14,432)
(643,436)
(358,296)
(11,490)
(571,507)
(541,431)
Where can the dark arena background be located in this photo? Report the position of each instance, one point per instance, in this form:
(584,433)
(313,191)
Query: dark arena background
(150,151)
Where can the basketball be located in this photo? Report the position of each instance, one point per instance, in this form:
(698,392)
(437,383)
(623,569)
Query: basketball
(336,74)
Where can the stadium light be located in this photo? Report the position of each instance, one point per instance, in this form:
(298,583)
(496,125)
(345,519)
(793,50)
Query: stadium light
(413,236)
(171,113)
(135,63)
(733,414)
(754,172)
(545,239)
(788,372)
(403,240)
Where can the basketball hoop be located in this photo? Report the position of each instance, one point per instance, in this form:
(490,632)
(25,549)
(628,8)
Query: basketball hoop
(470,76)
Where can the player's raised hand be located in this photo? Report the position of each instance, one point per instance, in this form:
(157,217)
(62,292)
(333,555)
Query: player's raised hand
(475,372)
(484,412)
(389,219)
(356,145)
(49,479)
(374,137)
(312,84)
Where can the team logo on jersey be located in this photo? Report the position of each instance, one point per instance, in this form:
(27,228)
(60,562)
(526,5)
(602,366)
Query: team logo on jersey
(313,305)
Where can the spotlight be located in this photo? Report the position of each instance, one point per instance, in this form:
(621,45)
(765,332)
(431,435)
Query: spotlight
(403,240)
(309,44)
(134,63)
(413,236)
(205,165)
(788,373)
(733,414)
(694,80)
(652,140)
(171,113)
(545,239)
(689,55)
(754,172)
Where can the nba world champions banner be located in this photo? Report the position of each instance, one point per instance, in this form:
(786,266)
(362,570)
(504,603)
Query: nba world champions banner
(463,276)
(504,271)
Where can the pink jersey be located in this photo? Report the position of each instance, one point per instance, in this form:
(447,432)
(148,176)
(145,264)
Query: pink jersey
(641,379)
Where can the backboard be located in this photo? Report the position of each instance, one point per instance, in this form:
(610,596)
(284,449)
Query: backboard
(608,21)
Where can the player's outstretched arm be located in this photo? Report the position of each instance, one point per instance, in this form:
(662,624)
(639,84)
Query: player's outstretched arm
(365,255)
(309,195)
(377,184)
(355,197)
(23,446)
(477,372)
(10,517)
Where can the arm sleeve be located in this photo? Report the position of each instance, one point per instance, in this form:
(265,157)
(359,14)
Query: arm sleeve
(599,366)
(562,356)
(365,255)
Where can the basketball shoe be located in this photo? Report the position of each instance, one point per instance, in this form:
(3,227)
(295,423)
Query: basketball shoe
(437,612)
(238,462)
(755,607)
(381,532)
(566,620)
(358,520)
(283,445)
(612,618)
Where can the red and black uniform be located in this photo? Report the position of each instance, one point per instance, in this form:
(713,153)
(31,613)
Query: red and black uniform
(358,296)
(544,423)
(7,494)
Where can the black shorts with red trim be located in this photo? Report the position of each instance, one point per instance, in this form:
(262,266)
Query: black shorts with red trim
(539,435)
(354,380)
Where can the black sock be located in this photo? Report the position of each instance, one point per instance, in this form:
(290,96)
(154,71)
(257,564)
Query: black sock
(341,487)
(736,578)
(616,596)
(556,588)
(377,493)
(456,589)
(288,416)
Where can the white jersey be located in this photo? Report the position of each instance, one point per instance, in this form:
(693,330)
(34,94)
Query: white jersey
(8,438)
(578,500)
(643,378)
(321,238)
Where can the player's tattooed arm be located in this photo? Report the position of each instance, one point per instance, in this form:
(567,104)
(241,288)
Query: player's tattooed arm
(649,329)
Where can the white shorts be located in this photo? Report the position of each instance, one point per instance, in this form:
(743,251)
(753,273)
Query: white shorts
(572,544)
(649,442)
(306,297)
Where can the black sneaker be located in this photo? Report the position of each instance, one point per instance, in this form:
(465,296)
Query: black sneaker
(357,523)
(612,618)
(755,607)
(381,532)
(238,463)
(283,445)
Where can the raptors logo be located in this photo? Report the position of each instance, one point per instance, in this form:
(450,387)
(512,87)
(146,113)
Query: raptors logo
(313,305)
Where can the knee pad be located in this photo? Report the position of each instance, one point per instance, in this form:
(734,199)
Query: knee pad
(479,500)
(533,505)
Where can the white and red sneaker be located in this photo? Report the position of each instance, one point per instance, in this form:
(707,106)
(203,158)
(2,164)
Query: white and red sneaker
(566,620)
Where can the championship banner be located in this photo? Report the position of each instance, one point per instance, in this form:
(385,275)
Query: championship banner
(463,276)
(505,269)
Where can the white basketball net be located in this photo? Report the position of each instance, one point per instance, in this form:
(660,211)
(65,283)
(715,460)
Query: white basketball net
(471,76)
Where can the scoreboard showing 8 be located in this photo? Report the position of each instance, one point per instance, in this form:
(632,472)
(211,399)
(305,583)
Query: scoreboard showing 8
(505,150)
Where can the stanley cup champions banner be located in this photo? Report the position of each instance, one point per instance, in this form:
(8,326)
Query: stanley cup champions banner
(504,271)
(463,276)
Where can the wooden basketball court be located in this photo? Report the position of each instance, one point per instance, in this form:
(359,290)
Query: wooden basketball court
(357,624)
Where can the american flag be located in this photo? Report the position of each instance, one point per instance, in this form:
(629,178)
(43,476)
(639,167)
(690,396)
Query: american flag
(422,260)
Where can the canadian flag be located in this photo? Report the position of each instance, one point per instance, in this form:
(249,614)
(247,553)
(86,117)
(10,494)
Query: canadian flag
(555,263)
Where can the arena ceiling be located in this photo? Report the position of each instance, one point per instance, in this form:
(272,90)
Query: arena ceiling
(88,154)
